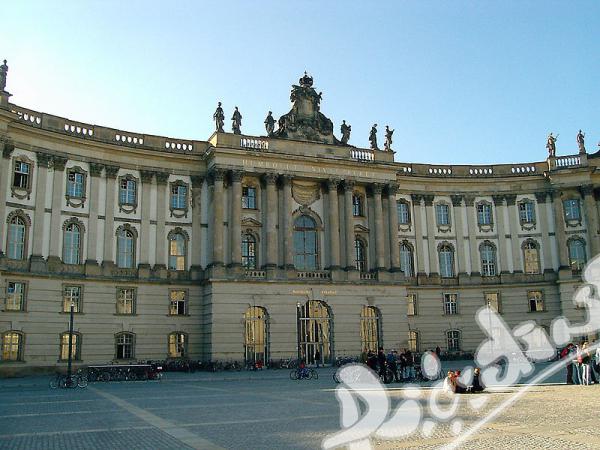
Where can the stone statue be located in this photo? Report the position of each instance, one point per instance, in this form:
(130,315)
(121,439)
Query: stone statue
(219,118)
(270,124)
(3,73)
(373,137)
(388,139)
(237,121)
(345,130)
(581,142)
(551,145)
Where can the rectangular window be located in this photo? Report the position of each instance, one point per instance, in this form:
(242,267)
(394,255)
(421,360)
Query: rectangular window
(453,340)
(413,341)
(526,212)
(126,301)
(15,296)
(492,299)
(21,176)
(411,305)
(177,345)
(442,214)
(403,213)
(72,294)
(178,196)
(484,214)
(572,209)
(12,346)
(248,197)
(127,192)
(450,304)
(64,347)
(536,301)
(75,184)
(178,303)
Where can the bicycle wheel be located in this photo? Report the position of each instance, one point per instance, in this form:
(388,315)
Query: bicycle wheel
(82,381)
(336,378)
(313,374)
(54,382)
(104,376)
(294,375)
(71,381)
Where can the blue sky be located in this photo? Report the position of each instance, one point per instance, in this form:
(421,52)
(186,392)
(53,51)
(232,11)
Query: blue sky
(460,81)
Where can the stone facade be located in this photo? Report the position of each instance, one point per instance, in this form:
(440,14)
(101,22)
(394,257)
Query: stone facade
(166,245)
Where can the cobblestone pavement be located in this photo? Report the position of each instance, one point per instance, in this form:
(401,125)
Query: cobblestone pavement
(263,411)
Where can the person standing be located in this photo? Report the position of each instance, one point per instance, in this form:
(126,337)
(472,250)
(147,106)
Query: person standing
(585,364)
(393,365)
(317,358)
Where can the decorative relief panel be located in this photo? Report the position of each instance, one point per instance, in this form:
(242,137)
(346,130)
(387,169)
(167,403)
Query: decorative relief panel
(305,192)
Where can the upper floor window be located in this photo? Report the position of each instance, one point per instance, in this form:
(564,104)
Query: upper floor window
(411,304)
(453,340)
(177,250)
(125,248)
(177,345)
(526,212)
(128,191)
(75,346)
(15,296)
(442,214)
(531,257)
(17,237)
(487,252)
(403,213)
(179,195)
(178,302)
(484,214)
(357,205)
(577,254)
(492,300)
(12,346)
(406,259)
(446,257)
(536,301)
(72,244)
(126,301)
(360,255)
(22,174)
(572,210)
(75,184)
(249,257)
(450,304)
(305,243)
(124,346)
(72,296)
(248,197)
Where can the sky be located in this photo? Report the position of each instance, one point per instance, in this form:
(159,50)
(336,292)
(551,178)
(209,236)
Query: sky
(460,82)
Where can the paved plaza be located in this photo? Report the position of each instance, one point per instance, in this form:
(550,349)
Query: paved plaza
(264,410)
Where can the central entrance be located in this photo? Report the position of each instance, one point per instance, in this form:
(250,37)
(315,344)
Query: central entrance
(314,332)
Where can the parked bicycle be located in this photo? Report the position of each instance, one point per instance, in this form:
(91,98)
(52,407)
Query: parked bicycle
(72,382)
(304,373)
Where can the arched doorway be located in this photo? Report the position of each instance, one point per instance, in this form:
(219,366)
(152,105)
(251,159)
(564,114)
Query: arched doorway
(315,332)
(256,335)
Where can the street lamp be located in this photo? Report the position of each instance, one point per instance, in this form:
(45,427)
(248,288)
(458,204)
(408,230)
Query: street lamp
(70,361)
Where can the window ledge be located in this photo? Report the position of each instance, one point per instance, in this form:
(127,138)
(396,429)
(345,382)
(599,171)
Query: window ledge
(178,315)
(14,310)
(124,314)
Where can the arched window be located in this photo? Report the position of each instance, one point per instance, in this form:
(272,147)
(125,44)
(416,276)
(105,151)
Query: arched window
(17,237)
(256,335)
(577,254)
(360,255)
(72,244)
(487,252)
(446,257)
(406,259)
(370,336)
(178,343)
(124,346)
(12,346)
(305,243)
(453,340)
(177,251)
(125,248)
(315,331)
(75,346)
(531,256)
(249,259)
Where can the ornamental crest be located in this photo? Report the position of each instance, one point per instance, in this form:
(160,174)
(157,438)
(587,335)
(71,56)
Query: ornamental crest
(305,192)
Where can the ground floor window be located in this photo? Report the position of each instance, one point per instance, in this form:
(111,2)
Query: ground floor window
(12,346)
(75,346)
(314,332)
(369,329)
(124,346)
(177,345)
(453,340)
(256,335)
(413,341)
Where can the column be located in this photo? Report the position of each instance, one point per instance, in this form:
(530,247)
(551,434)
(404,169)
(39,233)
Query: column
(460,235)
(473,250)
(334,224)
(591,218)
(379,236)
(540,198)
(271,219)
(217,177)
(236,218)
(561,238)
(502,244)
(109,215)
(146,177)
(58,163)
(513,220)
(161,213)
(393,212)
(419,241)
(4,176)
(92,232)
(430,221)
(40,205)
(288,238)
(197,182)
(349,223)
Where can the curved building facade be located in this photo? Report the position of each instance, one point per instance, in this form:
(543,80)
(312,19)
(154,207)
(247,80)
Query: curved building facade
(265,247)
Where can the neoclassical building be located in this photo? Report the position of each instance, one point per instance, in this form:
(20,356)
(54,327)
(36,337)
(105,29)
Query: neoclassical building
(266,247)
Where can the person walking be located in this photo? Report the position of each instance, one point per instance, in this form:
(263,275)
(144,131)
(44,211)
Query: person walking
(585,364)
(392,364)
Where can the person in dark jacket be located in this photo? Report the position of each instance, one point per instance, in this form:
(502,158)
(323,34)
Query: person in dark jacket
(381,361)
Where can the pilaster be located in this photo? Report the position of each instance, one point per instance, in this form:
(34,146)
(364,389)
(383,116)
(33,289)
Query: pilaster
(513,220)
(334,226)
(379,236)
(109,216)
(7,149)
(591,217)
(236,218)
(419,240)
(58,164)
(160,262)
(38,264)
(473,250)
(502,243)
(217,176)
(430,223)
(91,263)
(460,235)
(393,224)
(146,191)
(270,180)
(288,238)
(543,205)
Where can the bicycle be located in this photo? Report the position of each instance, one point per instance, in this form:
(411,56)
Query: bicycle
(304,374)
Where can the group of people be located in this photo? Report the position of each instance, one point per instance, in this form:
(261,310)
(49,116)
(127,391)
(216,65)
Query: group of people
(452,382)
(583,365)
(402,365)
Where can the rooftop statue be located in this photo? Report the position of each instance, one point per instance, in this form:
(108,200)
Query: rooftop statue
(373,137)
(581,142)
(551,145)
(219,118)
(270,124)
(388,139)
(345,130)
(3,73)
(237,121)
(305,121)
